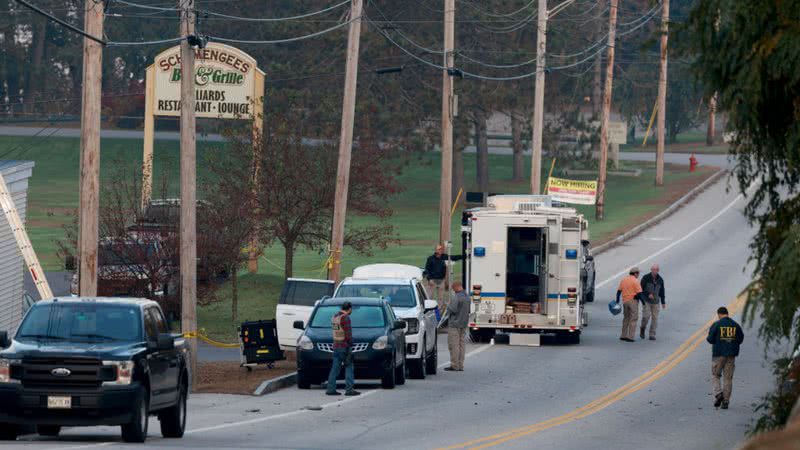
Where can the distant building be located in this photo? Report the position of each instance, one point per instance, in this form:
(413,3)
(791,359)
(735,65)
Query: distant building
(12,266)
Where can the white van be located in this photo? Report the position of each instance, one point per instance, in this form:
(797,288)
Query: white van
(296,303)
(401,286)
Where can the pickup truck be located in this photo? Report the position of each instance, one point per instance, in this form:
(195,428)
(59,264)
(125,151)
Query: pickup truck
(93,361)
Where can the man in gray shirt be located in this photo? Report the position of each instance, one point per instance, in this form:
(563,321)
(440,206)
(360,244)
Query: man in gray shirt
(458,319)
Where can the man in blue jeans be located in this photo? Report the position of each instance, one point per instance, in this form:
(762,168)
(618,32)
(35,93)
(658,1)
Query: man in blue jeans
(342,351)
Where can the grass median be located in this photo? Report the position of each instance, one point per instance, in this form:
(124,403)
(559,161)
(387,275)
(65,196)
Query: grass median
(53,197)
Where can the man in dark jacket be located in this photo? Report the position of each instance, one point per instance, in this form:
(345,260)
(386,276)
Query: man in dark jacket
(458,318)
(436,272)
(653,301)
(726,336)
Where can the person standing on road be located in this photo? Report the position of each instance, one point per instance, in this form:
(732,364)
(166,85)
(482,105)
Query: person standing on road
(342,351)
(653,293)
(458,318)
(436,272)
(630,290)
(725,336)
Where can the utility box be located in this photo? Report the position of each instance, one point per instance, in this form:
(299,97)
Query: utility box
(12,265)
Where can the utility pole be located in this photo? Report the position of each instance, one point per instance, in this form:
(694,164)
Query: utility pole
(601,182)
(712,110)
(345,140)
(662,94)
(538,99)
(188,234)
(446,178)
(90,149)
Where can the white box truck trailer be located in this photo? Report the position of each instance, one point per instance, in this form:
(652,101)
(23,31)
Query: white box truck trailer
(529,267)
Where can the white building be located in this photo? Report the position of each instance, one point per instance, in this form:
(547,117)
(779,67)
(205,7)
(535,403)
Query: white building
(12,266)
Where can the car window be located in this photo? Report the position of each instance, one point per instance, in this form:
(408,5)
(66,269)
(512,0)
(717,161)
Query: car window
(304,292)
(390,314)
(161,323)
(150,325)
(397,295)
(363,316)
(82,321)
(422,294)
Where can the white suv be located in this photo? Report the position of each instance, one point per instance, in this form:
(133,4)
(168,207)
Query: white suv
(401,286)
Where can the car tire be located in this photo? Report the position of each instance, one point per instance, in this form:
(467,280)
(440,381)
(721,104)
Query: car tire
(303,381)
(400,376)
(388,381)
(9,432)
(417,366)
(173,419)
(136,430)
(432,362)
(48,430)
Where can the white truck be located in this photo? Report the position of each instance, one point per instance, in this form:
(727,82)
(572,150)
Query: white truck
(529,268)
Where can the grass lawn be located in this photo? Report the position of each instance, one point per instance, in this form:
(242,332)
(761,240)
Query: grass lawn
(689,142)
(53,196)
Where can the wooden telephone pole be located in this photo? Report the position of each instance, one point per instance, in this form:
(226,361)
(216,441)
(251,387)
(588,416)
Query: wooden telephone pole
(90,149)
(446,187)
(601,182)
(712,110)
(345,140)
(538,99)
(662,94)
(188,225)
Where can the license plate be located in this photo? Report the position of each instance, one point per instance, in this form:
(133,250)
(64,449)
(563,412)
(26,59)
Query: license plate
(59,402)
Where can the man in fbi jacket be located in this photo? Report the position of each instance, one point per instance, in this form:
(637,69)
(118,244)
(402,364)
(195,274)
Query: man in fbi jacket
(725,336)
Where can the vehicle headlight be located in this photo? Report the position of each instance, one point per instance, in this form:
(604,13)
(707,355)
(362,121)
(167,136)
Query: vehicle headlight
(305,343)
(124,370)
(380,343)
(413,326)
(5,370)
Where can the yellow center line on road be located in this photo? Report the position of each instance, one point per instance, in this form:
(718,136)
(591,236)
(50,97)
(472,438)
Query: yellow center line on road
(644,380)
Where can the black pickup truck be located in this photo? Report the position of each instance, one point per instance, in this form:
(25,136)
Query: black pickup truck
(93,361)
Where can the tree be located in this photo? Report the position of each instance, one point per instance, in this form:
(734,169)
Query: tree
(296,185)
(749,53)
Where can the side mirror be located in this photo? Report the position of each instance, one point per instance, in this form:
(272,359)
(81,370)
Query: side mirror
(165,342)
(4,341)
(398,325)
(431,305)
(298,325)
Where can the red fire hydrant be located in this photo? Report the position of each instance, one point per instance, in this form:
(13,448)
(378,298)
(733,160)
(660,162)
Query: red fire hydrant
(692,163)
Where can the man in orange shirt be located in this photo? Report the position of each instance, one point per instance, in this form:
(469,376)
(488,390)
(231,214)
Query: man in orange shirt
(630,290)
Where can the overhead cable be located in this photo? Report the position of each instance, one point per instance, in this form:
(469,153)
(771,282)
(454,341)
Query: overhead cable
(283,41)
(276,19)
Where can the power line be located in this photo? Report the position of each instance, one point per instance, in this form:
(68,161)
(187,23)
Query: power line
(283,41)
(276,19)
(60,22)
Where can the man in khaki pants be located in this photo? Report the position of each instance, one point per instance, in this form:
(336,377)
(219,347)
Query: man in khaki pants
(458,319)
(630,290)
(725,336)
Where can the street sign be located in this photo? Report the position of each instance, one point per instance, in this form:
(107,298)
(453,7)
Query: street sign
(617,132)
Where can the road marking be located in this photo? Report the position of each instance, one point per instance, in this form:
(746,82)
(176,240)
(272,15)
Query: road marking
(644,380)
(687,236)
(222,426)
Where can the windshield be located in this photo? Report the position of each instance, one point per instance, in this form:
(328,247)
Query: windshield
(361,317)
(397,295)
(82,322)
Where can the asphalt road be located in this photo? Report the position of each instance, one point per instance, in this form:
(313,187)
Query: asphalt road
(601,393)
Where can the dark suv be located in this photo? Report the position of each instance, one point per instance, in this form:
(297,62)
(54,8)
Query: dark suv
(93,361)
(378,343)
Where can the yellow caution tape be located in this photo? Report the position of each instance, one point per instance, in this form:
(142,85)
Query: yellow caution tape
(204,337)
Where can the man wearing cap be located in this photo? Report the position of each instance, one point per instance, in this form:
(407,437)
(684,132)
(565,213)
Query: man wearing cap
(630,291)
(653,301)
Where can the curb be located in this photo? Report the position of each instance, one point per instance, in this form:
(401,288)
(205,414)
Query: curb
(674,207)
(272,385)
